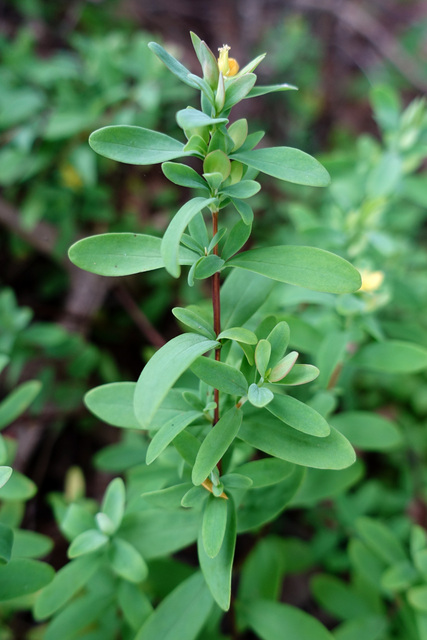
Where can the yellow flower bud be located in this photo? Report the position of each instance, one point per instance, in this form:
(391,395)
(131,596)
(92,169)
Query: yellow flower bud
(371,280)
(228,66)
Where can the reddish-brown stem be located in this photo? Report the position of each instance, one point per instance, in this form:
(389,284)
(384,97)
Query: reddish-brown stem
(216,306)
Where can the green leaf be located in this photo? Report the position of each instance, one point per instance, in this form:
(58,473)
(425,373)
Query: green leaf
(6,543)
(126,562)
(220,375)
(173,64)
(392,356)
(417,597)
(216,444)
(244,210)
(207,266)
(87,542)
(265,432)
(242,294)
(237,237)
(330,354)
(79,614)
(275,621)
(17,401)
(172,237)
(262,571)
(368,431)
(183,176)
(338,598)
(169,498)
(279,340)
(192,118)
(238,88)
(266,472)
(369,628)
(259,396)
(270,88)
(286,163)
(299,374)
(151,533)
(283,367)
(5,473)
(196,146)
(113,504)
(326,484)
(217,571)
(400,576)
(18,487)
(217,162)
(122,254)
(299,415)
(381,540)
(238,132)
(113,403)
(243,189)
(181,615)
(248,68)
(29,544)
(187,446)
(262,356)
(66,583)
(135,145)
(264,504)
(163,370)
(366,564)
(22,576)
(303,266)
(195,321)
(239,334)
(214,525)
(76,520)
(168,432)
(134,604)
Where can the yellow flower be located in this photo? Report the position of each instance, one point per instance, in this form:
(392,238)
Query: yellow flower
(228,66)
(371,280)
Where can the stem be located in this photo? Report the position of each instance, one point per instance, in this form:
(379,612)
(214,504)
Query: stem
(216,306)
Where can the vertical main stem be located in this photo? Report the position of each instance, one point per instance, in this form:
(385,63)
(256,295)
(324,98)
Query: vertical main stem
(216,306)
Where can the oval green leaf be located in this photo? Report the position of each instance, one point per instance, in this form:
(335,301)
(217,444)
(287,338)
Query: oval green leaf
(275,621)
(214,525)
(135,145)
(265,432)
(181,615)
(122,254)
(286,163)
(217,571)
(163,370)
(220,375)
(216,444)
(17,401)
(307,267)
(22,576)
(113,403)
(393,356)
(299,415)
(172,237)
(368,431)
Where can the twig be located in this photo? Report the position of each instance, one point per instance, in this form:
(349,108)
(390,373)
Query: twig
(139,318)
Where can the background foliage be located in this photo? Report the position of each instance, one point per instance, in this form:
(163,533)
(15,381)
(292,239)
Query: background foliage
(351,546)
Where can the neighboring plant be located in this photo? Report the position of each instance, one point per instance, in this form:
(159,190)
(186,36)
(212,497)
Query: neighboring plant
(21,574)
(228,442)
